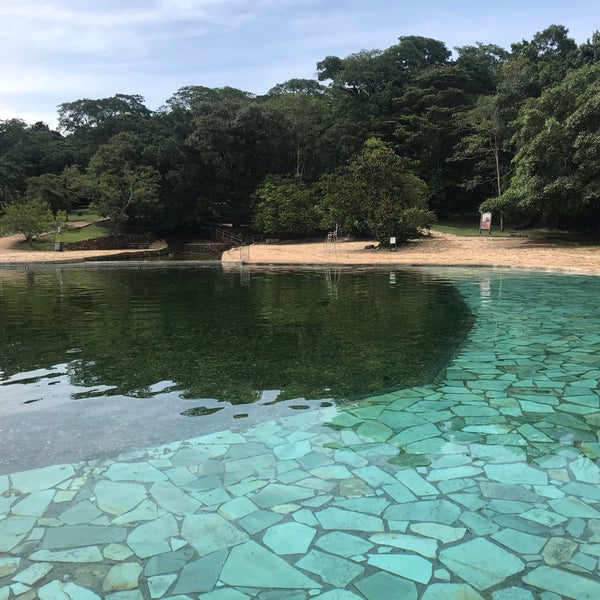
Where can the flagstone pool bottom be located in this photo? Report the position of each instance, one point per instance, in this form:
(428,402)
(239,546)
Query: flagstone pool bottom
(494,493)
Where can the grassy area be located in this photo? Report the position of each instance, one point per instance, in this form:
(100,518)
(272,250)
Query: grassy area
(469,226)
(46,242)
(83,214)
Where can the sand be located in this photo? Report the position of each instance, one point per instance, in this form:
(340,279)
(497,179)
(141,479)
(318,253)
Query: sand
(439,249)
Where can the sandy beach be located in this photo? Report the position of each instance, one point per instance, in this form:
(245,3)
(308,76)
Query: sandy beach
(439,249)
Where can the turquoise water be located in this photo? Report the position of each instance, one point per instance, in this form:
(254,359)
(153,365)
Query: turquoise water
(481,483)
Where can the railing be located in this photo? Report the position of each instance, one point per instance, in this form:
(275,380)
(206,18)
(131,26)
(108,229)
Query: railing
(228,236)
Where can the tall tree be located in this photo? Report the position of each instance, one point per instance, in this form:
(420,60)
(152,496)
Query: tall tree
(558,160)
(377,194)
(127,188)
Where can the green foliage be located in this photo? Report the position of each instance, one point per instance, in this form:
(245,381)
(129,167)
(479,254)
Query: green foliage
(377,194)
(29,217)
(286,207)
(460,121)
(125,188)
(559,151)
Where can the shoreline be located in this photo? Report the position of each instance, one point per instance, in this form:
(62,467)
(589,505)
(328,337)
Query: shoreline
(436,250)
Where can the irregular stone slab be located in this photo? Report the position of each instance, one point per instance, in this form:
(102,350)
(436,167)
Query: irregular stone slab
(331,472)
(516,473)
(173,499)
(250,565)
(415,434)
(384,585)
(370,505)
(409,566)
(343,544)
(424,546)
(292,450)
(65,591)
(481,563)
(331,569)
(44,478)
(451,591)
(82,512)
(573,507)
(558,551)
(374,431)
(123,576)
(374,476)
(74,555)
(117,552)
(9,565)
(435,511)
(453,473)
(145,511)
(151,538)
(169,562)
(520,542)
(73,536)
(415,483)
(491,489)
(289,538)
(261,519)
(563,583)
(13,530)
(33,573)
(117,498)
(237,508)
(33,505)
(585,470)
(201,575)
(141,471)
(444,533)
(339,519)
(209,532)
(544,517)
(158,585)
(275,494)
(513,593)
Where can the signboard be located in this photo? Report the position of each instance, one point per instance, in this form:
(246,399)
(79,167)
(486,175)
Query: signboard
(485,224)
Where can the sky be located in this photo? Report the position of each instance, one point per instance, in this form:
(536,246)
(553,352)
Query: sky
(54,51)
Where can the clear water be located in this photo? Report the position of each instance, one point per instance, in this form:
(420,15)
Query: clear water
(481,483)
(97,354)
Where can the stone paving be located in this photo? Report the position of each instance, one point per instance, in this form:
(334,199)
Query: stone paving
(481,485)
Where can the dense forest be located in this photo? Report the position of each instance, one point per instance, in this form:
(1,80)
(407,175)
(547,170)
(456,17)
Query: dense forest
(378,144)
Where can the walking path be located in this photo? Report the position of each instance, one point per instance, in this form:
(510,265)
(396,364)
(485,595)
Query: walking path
(14,250)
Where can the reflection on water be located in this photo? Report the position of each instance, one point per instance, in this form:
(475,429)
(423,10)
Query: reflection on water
(121,354)
(229,336)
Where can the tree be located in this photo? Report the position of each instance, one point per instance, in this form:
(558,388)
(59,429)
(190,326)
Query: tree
(127,188)
(485,146)
(377,194)
(558,159)
(30,217)
(286,207)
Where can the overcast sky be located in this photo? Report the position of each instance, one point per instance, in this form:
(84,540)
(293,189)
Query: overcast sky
(54,51)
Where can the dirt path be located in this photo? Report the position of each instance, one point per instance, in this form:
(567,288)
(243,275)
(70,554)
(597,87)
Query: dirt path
(438,249)
(13,250)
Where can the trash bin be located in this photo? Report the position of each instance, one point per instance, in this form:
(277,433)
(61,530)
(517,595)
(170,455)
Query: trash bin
(58,246)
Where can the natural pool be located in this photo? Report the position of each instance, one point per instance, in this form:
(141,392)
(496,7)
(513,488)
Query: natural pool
(481,483)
